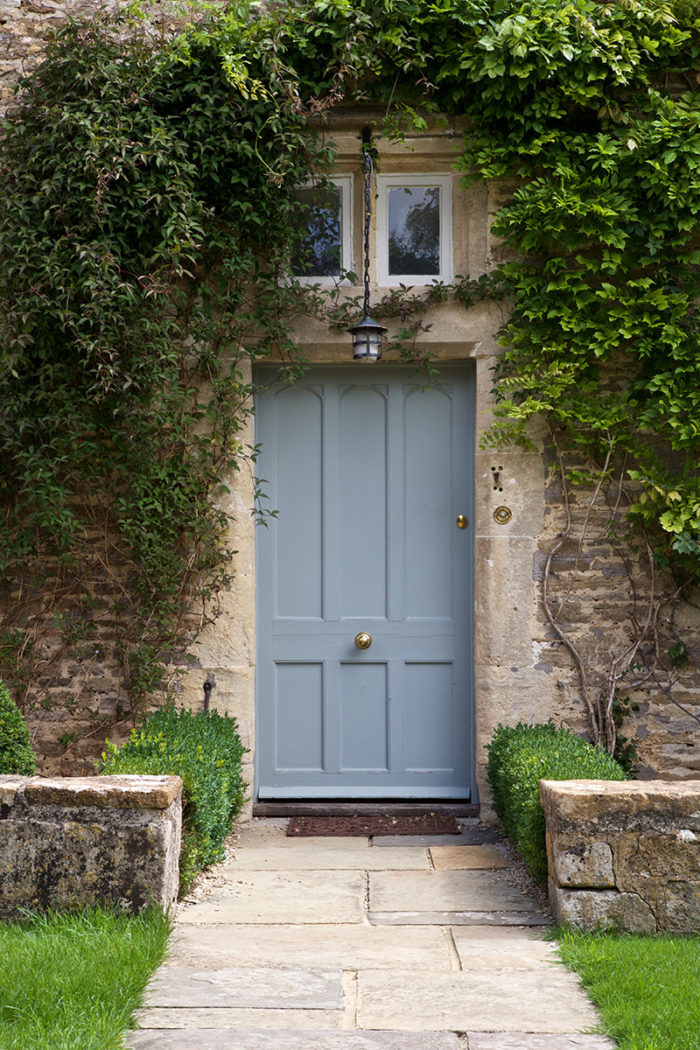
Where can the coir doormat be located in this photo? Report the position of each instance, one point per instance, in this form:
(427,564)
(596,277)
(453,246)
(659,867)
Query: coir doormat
(379,824)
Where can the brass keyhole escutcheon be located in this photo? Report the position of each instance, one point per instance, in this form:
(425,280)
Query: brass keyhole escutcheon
(461,521)
(502,515)
(363,640)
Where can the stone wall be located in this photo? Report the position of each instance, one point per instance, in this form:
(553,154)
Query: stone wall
(624,854)
(603,594)
(24,28)
(67,843)
(522,670)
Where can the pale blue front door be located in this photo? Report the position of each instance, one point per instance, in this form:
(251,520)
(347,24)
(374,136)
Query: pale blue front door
(368,470)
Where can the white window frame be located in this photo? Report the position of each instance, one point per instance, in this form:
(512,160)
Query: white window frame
(344,183)
(384,184)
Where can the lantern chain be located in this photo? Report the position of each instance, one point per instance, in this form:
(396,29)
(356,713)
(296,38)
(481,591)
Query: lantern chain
(369,171)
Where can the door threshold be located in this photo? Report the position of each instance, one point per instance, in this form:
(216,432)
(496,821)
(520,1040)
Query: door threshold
(343,808)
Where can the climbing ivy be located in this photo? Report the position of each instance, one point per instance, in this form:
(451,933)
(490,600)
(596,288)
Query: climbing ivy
(146,230)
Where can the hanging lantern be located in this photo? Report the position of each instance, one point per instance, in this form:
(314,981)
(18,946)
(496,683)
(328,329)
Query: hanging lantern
(367,334)
(367,340)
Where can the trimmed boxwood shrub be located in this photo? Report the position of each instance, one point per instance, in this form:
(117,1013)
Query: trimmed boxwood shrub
(519,757)
(16,754)
(205,750)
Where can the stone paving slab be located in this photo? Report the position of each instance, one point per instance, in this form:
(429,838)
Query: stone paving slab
(496,947)
(236,1039)
(350,946)
(228,1017)
(446,891)
(447,858)
(527,1041)
(250,987)
(310,856)
(278,897)
(459,918)
(467,837)
(550,1000)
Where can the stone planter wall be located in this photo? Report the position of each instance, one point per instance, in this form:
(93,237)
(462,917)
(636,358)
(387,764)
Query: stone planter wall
(624,854)
(70,842)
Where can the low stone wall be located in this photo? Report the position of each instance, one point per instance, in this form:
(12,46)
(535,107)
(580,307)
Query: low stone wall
(624,854)
(70,842)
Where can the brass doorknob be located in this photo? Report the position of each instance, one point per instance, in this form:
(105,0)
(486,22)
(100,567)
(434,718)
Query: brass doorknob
(363,640)
(461,521)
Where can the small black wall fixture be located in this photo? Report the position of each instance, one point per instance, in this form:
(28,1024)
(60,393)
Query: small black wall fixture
(367,334)
(207,687)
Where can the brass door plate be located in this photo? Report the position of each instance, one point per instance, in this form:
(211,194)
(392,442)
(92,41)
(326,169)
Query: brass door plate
(502,515)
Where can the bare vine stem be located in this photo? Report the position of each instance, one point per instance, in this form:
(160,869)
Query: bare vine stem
(644,645)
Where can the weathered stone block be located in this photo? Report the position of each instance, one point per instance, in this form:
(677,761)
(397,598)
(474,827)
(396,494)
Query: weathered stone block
(601,909)
(624,854)
(69,843)
(585,866)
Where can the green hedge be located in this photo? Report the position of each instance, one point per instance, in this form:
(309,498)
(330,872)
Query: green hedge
(519,757)
(205,750)
(16,755)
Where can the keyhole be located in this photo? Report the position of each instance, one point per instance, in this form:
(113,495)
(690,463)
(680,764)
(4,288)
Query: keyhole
(496,472)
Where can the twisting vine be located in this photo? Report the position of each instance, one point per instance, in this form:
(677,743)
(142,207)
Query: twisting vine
(643,656)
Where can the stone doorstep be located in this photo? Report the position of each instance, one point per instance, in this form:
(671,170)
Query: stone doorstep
(326,856)
(467,837)
(276,838)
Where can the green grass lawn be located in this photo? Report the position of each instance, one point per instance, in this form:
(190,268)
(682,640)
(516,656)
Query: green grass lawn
(72,982)
(646,988)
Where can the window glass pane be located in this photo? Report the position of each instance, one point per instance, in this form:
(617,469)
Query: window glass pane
(414,230)
(319,221)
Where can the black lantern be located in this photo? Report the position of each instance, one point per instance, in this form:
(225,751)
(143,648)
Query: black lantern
(367,339)
(367,334)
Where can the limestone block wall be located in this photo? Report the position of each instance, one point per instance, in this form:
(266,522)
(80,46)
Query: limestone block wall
(24,26)
(624,854)
(67,843)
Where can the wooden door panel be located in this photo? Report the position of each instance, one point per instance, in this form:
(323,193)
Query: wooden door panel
(368,469)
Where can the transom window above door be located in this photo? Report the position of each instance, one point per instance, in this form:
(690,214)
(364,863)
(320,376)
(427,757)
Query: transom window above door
(414,229)
(324,217)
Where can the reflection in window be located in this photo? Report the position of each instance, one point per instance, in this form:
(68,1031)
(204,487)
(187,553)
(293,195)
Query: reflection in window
(317,252)
(414,230)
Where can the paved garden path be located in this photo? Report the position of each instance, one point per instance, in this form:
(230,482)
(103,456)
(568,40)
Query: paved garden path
(364,944)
